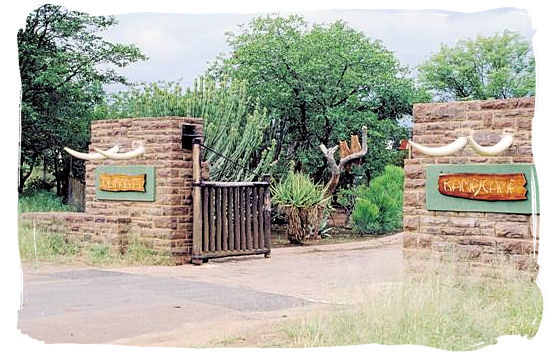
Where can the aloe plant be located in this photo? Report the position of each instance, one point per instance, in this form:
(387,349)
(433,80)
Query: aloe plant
(303,202)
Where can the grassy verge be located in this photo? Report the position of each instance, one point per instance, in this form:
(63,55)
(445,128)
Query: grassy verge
(42,201)
(451,306)
(36,246)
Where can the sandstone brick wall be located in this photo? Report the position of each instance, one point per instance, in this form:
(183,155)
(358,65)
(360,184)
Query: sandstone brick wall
(166,223)
(473,235)
(81,227)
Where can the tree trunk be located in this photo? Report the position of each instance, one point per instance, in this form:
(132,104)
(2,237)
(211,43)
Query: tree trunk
(303,223)
(24,176)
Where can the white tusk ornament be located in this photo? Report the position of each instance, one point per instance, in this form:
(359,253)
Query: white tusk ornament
(496,149)
(122,156)
(92,156)
(442,150)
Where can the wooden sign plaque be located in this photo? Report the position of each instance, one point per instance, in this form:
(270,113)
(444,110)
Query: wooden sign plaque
(131,183)
(489,188)
(484,186)
(116,182)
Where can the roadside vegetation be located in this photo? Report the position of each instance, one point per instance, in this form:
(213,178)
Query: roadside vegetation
(447,305)
(42,200)
(37,247)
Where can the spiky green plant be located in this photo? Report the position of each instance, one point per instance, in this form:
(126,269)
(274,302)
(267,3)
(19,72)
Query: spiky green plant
(303,202)
(235,125)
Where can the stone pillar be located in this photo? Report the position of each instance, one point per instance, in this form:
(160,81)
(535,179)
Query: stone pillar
(474,235)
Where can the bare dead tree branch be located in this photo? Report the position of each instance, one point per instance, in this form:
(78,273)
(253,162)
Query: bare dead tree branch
(336,169)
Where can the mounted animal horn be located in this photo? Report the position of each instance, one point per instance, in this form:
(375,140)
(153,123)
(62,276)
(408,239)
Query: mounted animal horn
(92,156)
(122,156)
(442,150)
(496,149)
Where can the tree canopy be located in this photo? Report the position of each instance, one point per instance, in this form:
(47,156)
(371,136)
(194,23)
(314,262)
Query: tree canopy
(320,83)
(501,66)
(63,63)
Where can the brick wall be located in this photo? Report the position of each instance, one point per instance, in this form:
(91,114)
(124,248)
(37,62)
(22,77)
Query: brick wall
(166,223)
(476,235)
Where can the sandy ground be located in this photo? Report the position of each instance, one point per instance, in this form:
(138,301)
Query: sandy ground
(208,305)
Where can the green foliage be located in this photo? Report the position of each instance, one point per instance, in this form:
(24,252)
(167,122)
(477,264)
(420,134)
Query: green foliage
(63,62)
(36,245)
(501,66)
(320,84)
(235,125)
(297,190)
(379,207)
(303,202)
(42,200)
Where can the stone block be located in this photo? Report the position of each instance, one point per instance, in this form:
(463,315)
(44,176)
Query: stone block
(512,230)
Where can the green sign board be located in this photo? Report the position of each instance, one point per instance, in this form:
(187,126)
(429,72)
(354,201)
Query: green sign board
(133,183)
(436,200)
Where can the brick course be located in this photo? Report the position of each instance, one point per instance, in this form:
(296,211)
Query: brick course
(471,235)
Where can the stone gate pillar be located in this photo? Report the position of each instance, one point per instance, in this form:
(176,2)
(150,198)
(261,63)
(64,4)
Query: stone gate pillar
(469,230)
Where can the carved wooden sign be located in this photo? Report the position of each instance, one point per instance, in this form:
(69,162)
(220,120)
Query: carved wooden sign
(129,182)
(484,186)
(121,182)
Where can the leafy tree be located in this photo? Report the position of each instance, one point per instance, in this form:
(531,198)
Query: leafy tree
(63,63)
(501,66)
(234,126)
(320,84)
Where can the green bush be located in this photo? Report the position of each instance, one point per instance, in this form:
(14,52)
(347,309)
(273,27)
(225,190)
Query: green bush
(303,202)
(379,207)
(42,201)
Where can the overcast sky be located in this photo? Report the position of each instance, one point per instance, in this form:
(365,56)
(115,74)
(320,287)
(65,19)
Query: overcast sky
(179,46)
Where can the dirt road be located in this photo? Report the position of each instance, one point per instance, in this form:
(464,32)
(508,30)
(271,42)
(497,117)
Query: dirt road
(201,305)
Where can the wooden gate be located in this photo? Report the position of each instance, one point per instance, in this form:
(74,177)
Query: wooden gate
(229,218)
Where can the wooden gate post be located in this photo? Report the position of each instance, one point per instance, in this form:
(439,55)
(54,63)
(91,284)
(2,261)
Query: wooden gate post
(197,203)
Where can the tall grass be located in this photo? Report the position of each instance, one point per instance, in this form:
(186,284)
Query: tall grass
(445,307)
(42,201)
(35,245)
(38,246)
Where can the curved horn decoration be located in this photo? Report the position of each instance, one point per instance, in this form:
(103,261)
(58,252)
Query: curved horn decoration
(442,150)
(92,156)
(122,156)
(496,149)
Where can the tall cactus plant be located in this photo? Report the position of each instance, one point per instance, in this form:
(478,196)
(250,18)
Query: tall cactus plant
(235,126)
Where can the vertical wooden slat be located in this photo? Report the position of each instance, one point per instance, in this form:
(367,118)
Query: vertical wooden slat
(230,217)
(255,233)
(243,218)
(267,216)
(248,218)
(211,219)
(261,216)
(197,210)
(225,223)
(205,222)
(237,218)
(218,218)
